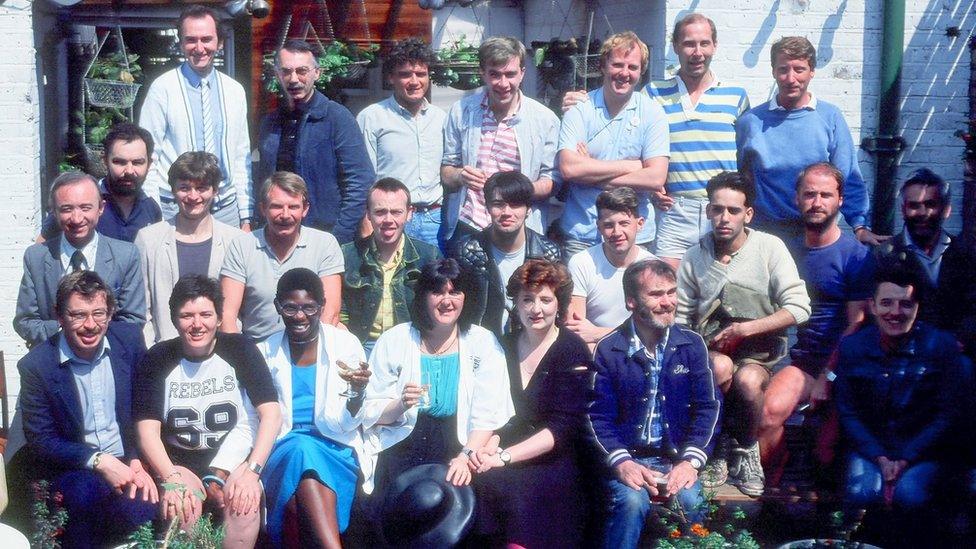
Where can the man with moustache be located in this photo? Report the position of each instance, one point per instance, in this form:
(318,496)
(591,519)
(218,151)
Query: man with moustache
(741,290)
(945,262)
(127,157)
(902,388)
(76,401)
(496,251)
(382,269)
(197,108)
(497,129)
(404,136)
(319,140)
(657,407)
(616,138)
(839,273)
(77,205)
(795,129)
(255,261)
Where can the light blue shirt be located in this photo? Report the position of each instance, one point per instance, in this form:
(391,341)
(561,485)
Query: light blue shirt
(67,250)
(406,147)
(193,89)
(653,429)
(96,394)
(638,132)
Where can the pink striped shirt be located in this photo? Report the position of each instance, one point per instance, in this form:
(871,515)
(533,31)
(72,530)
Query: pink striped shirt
(498,153)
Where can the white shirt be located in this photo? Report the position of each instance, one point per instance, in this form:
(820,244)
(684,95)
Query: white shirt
(507,263)
(67,250)
(601,283)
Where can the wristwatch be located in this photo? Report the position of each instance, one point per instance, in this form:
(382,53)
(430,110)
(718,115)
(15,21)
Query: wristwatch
(830,375)
(97,458)
(505,457)
(255,466)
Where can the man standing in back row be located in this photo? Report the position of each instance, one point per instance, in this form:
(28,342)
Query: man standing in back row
(779,138)
(196,108)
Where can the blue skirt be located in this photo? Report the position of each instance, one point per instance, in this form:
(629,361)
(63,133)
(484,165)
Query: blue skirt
(298,455)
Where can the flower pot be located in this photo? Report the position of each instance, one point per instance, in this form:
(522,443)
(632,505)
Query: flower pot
(826,544)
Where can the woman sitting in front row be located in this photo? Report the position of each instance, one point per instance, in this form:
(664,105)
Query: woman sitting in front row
(529,486)
(439,386)
(314,466)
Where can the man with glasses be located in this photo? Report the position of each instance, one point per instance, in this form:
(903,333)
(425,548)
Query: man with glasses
(319,140)
(77,205)
(76,396)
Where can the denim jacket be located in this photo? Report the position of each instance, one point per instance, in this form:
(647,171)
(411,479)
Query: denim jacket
(362,287)
(536,130)
(903,404)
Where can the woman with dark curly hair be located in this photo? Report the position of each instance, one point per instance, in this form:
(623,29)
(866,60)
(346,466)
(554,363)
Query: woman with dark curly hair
(528,484)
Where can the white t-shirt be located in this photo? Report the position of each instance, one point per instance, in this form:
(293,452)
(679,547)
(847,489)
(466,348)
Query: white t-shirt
(596,279)
(507,263)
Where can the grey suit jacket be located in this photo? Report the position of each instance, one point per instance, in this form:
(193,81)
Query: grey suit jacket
(117,262)
(161,270)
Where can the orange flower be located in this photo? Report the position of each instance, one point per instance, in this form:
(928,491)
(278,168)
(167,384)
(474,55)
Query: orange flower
(699,530)
(675,533)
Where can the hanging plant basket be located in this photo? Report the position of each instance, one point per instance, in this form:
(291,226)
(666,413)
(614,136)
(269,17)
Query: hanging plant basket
(457,66)
(587,66)
(110,93)
(111,81)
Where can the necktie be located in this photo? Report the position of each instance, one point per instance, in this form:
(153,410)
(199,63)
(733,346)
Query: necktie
(77,261)
(207,114)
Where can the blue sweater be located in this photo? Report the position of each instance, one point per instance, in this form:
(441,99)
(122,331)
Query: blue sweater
(774,145)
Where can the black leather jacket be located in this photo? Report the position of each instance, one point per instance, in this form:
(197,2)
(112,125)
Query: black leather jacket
(489,301)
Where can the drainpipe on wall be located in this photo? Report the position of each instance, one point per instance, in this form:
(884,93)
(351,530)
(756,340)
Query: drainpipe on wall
(888,144)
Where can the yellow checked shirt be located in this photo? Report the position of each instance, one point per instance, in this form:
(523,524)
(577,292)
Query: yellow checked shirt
(384,316)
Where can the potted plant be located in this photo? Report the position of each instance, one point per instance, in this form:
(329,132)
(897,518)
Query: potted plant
(457,66)
(337,61)
(48,517)
(113,80)
(203,535)
(717,529)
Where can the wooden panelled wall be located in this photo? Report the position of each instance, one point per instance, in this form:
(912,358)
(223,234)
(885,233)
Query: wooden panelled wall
(386,21)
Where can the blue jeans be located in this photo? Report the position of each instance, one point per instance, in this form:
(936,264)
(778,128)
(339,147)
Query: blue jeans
(97,516)
(425,226)
(629,508)
(914,489)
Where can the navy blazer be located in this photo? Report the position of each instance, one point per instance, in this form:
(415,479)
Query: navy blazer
(330,154)
(51,407)
(116,262)
(691,402)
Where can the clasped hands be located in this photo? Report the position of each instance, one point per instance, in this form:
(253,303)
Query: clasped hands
(639,477)
(461,468)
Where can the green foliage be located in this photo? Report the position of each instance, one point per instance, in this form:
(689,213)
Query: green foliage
(113,67)
(48,517)
(335,61)
(457,66)
(717,531)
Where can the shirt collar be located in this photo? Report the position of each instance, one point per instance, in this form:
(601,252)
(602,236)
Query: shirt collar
(67,250)
(396,106)
(66,355)
(636,345)
(810,106)
(600,102)
(193,78)
(107,196)
(683,90)
(512,118)
(938,250)
(263,239)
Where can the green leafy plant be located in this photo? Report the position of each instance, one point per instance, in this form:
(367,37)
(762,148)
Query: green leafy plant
(337,60)
(716,531)
(113,67)
(48,517)
(457,66)
(203,535)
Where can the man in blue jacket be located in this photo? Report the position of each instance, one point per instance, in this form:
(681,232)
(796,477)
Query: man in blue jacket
(657,407)
(76,395)
(319,140)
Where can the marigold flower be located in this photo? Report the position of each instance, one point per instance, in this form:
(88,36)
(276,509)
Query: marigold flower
(675,533)
(699,530)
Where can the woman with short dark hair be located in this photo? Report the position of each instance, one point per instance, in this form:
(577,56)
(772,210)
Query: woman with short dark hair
(439,386)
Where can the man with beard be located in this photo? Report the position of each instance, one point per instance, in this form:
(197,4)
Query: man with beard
(839,272)
(741,290)
(127,156)
(319,140)
(495,252)
(617,138)
(657,407)
(496,129)
(195,107)
(404,136)
(944,262)
(255,261)
(382,269)
(77,205)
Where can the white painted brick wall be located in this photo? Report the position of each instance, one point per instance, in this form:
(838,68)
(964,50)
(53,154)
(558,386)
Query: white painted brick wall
(20,192)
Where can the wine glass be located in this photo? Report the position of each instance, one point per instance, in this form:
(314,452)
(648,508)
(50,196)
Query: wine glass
(345,371)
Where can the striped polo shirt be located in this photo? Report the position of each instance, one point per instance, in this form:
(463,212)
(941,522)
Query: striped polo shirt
(702,135)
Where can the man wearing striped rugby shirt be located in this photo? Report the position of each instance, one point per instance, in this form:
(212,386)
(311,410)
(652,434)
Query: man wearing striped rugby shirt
(701,112)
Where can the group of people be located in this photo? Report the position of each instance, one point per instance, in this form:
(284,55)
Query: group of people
(647,341)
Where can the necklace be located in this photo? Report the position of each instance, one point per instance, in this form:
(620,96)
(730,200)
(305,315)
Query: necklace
(445,347)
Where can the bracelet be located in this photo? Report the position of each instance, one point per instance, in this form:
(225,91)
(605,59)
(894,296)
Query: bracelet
(167,477)
(213,478)
(467,452)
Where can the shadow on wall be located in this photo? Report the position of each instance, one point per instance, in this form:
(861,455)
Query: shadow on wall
(751,55)
(825,49)
(934,91)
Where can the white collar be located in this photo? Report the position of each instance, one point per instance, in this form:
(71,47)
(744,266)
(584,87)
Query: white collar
(811,105)
(67,250)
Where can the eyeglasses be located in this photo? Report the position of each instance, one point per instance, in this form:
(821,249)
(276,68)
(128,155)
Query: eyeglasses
(300,71)
(77,318)
(291,310)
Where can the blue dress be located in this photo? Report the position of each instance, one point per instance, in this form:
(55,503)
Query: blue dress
(306,453)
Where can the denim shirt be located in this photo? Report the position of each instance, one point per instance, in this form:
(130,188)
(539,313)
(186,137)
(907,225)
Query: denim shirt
(653,430)
(536,130)
(362,286)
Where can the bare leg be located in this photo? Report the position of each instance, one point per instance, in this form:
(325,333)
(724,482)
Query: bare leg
(317,512)
(748,384)
(722,367)
(242,530)
(788,388)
